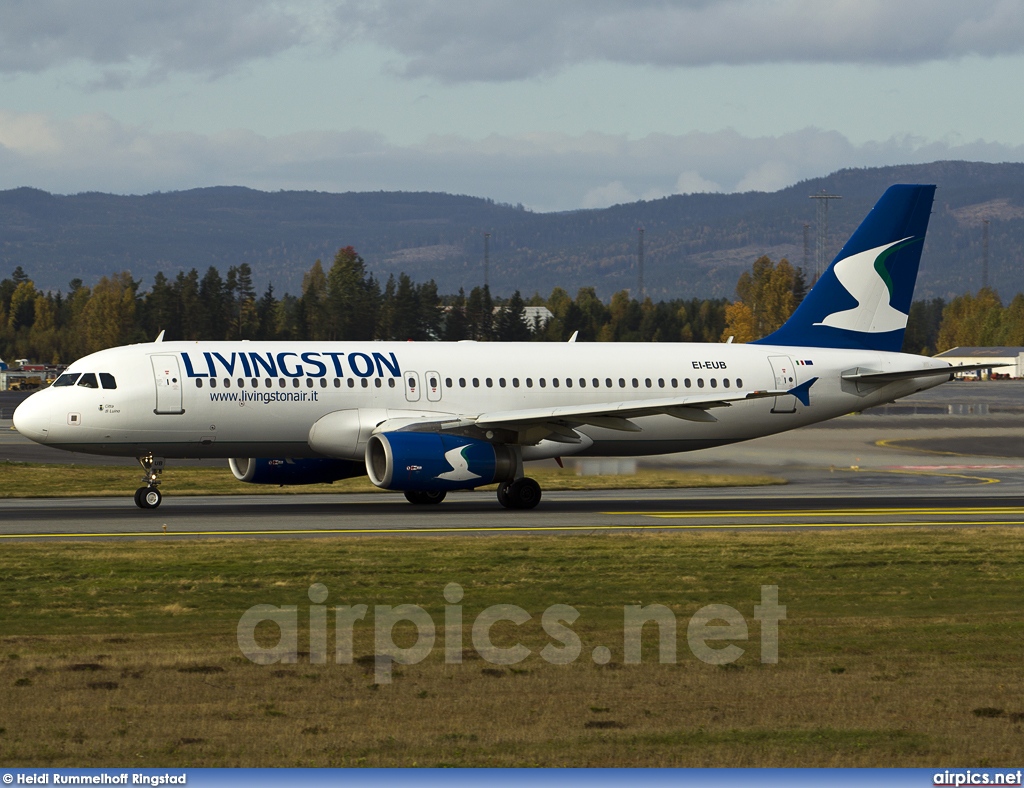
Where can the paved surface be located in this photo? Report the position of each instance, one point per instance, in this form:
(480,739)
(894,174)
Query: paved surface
(950,456)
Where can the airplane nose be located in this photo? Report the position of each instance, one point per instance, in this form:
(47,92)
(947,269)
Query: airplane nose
(32,419)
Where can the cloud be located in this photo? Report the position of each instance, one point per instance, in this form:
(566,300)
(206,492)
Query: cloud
(133,40)
(543,171)
(466,40)
(692,182)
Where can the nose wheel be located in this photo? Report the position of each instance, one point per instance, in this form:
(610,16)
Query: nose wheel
(149,497)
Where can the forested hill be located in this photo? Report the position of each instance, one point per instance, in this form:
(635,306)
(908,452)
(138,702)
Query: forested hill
(695,245)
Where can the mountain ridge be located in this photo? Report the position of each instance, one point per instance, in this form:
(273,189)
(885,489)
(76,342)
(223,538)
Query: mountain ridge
(695,245)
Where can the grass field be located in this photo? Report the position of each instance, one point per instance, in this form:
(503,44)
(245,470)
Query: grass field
(41,480)
(901,648)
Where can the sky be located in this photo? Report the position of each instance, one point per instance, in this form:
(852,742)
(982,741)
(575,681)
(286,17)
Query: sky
(554,105)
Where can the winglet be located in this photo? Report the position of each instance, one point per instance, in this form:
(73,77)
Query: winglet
(803,392)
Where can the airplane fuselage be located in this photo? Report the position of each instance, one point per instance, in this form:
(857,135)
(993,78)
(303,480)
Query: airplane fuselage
(260,399)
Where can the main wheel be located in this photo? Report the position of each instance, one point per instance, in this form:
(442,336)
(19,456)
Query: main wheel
(148,497)
(425,496)
(503,494)
(523,494)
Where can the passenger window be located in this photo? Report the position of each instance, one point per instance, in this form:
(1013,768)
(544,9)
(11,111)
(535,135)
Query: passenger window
(255,383)
(608,382)
(448,382)
(700,383)
(108,380)
(568,383)
(529,383)
(739,383)
(647,382)
(199,383)
(377,383)
(323,383)
(462,383)
(543,383)
(596,382)
(675,383)
(515,383)
(714,383)
(661,383)
(554,382)
(213,383)
(622,383)
(295,383)
(636,383)
(364,383)
(686,383)
(433,383)
(476,383)
(280,383)
(67,379)
(309,383)
(489,382)
(391,383)
(88,380)
(337,383)
(501,382)
(241,383)
(227,383)
(351,383)
(725,382)
(583,383)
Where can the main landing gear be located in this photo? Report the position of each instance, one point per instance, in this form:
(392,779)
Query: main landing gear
(523,493)
(149,497)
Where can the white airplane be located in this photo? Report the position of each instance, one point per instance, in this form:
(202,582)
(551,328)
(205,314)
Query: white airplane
(427,418)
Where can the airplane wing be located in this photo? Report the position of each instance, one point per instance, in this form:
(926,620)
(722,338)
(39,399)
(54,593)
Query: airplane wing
(868,376)
(532,425)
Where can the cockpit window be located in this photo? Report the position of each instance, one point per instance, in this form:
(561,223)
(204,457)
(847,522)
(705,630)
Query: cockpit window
(108,380)
(89,381)
(67,379)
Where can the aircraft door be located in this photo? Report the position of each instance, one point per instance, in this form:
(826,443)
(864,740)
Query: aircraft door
(167,377)
(432,384)
(412,386)
(785,378)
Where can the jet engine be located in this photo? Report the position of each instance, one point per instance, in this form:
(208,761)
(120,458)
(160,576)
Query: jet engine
(431,461)
(293,471)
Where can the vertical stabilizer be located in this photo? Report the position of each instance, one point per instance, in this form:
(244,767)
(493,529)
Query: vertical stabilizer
(863,299)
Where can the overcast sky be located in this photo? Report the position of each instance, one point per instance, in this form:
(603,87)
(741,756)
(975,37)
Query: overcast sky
(556,105)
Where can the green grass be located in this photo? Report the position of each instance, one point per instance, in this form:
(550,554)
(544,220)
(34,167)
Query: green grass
(901,648)
(40,480)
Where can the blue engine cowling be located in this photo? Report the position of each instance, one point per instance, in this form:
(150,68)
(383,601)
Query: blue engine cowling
(294,471)
(431,461)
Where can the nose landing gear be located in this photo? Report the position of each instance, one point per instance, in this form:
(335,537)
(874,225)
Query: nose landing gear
(149,497)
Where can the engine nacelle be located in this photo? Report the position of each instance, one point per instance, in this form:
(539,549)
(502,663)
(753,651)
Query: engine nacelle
(294,471)
(432,461)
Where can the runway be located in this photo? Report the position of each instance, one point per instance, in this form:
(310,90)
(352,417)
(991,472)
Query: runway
(949,457)
(478,515)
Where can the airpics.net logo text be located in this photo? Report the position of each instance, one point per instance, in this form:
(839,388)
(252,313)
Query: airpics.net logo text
(706,632)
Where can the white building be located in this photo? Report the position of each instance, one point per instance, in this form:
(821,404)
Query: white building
(1012,356)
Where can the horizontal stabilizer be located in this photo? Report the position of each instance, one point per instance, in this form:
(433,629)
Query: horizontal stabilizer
(861,376)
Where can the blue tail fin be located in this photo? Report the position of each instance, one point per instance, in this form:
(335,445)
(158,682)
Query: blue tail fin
(863,299)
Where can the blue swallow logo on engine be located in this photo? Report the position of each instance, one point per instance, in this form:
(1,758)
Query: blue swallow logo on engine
(460,471)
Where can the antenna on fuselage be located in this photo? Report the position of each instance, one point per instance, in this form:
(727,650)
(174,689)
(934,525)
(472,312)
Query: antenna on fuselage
(159,337)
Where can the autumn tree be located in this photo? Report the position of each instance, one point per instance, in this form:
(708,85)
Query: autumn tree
(766,297)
